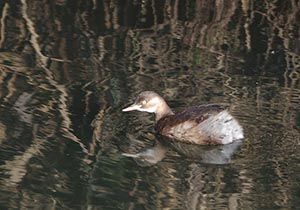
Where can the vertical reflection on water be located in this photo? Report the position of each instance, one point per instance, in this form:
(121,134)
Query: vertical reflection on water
(61,130)
(35,147)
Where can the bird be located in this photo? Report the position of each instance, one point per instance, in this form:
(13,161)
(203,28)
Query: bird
(209,124)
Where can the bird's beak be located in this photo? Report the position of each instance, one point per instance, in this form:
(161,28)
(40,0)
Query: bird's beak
(131,108)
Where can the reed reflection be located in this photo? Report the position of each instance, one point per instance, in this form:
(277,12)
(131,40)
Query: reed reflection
(67,68)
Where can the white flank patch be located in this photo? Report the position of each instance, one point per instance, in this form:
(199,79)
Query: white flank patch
(223,127)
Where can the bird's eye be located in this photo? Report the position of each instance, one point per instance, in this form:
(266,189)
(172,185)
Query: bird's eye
(144,102)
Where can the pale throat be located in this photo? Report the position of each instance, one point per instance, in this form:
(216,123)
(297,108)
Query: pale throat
(162,110)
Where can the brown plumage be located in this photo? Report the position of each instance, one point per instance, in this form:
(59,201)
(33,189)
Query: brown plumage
(183,126)
(205,124)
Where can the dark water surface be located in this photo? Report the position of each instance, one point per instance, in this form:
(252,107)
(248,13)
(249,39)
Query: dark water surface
(67,68)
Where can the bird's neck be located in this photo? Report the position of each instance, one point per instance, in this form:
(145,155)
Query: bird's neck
(162,110)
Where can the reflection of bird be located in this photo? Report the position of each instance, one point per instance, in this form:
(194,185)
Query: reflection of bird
(217,154)
(206,124)
(150,156)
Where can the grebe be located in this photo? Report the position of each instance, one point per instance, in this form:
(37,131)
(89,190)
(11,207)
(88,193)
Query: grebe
(204,124)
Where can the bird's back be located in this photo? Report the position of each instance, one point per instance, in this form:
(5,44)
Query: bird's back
(206,124)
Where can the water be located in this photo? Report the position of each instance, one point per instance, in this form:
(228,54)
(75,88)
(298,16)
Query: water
(68,68)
